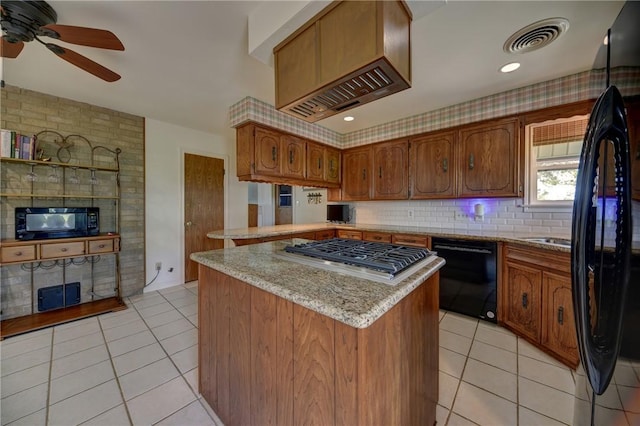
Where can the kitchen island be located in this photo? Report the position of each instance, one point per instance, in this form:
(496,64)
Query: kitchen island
(286,343)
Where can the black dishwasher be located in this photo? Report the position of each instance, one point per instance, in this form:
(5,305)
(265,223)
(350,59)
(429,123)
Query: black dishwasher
(468,280)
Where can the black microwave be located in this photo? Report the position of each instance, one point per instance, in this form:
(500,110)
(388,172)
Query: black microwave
(41,223)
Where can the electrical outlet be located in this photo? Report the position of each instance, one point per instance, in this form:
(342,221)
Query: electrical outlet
(460,215)
(158,266)
(410,213)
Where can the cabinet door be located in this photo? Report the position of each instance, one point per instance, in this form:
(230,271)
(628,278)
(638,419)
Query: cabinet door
(348,234)
(558,325)
(267,149)
(332,165)
(521,301)
(378,237)
(489,159)
(391,176)
(315,161)
(295,68)
(293,156)
(357,174)
(431,166)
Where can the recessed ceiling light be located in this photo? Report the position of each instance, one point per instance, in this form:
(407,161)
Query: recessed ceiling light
(512,66)
(348,118)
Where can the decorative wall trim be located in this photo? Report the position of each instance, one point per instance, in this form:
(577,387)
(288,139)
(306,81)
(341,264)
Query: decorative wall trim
(564,90)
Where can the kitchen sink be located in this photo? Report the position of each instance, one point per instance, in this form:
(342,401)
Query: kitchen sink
(549,240)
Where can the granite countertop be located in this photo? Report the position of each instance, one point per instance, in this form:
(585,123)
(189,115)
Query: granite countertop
(478,235)
(354,301)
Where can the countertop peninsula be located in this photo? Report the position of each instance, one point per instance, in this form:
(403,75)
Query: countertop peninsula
(357,302)
(478,235)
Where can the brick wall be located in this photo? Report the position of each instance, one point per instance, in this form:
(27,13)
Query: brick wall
(30,112)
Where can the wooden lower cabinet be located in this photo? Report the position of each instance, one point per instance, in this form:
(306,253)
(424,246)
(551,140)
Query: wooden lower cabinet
(536,301)
(349,234)
(378,237)
(411,240)
(265,360)
(325,235)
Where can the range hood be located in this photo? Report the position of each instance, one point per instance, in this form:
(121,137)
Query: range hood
(350,54)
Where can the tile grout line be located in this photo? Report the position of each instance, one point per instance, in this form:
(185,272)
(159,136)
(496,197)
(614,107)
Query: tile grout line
(170,359)
(46,413)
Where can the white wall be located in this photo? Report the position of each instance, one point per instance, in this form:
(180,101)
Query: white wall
(305,212)
(165,147)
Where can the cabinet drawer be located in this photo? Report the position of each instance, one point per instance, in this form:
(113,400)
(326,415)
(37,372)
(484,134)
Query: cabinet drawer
(381,237)
(51,251)
(325,235)
(17,254)
(411,240)
(351,235)
(101,246)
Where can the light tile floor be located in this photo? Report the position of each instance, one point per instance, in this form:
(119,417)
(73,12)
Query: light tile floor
(139,366)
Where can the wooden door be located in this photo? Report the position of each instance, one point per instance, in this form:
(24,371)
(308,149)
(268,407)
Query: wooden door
(293,156)
(488,158)
(391,171)
(332,165)
(203,207)
(267,152)
(315,162)
(558,325)
(357,174)
(522,299)
(432,166)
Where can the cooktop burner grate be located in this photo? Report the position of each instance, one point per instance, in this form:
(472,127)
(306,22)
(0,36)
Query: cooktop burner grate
(389,258)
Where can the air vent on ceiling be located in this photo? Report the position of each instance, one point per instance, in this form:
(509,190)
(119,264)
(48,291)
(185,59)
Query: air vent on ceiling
(536,36)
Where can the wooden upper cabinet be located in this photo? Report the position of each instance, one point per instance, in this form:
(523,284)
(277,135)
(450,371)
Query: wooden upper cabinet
(332,167)
(315,161)
(267,149)
(488,158)
(390,170)
(356,177)
(293,159)
(268,155)
(432,167)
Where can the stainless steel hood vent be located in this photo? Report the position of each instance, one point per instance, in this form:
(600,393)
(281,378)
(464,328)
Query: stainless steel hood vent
(373,82)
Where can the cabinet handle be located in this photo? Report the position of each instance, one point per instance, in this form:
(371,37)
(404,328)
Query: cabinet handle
(377,238)
(290,157)
(445,165)
(319,163)
(18,254)
(525,300)
(471,162)
(63,249)
(560,315)
(273,153)
(364,174)
(101,246)
(380,172)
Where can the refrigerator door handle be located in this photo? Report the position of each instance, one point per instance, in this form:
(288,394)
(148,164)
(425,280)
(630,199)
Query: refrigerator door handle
(599,301)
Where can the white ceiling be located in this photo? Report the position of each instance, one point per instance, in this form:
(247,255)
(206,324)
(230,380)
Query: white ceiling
(187,62)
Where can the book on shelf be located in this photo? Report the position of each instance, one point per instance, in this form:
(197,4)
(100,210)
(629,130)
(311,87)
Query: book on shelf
(5,143)
(15,145)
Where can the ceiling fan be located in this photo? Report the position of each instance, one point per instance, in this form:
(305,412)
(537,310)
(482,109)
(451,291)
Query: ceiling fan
(24,21)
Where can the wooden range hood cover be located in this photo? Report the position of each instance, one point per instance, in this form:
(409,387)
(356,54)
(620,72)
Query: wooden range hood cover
(350,54)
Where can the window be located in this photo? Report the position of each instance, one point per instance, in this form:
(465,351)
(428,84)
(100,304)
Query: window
(552,157)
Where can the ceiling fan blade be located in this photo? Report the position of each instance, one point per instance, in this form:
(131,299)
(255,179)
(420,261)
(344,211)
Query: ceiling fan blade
(10,50)
(83,62)
(84,36)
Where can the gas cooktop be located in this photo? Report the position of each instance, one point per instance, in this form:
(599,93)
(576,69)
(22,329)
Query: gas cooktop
(381,262)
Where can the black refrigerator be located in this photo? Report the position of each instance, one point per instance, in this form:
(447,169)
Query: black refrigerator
(605,250)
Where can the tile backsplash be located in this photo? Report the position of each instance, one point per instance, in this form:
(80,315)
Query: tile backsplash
(499,215)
